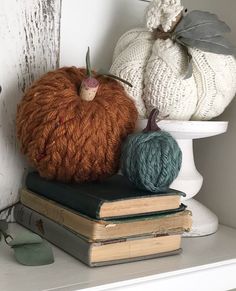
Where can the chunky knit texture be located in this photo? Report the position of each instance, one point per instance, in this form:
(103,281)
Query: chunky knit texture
(157,70)
(163,13)
(151,161)
(215,77)
(69,139)
(130,59)
(165,87)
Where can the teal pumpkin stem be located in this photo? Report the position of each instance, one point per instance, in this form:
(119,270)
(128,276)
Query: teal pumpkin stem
(152,121)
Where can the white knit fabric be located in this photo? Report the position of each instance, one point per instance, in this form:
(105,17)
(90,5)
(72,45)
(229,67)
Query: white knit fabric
(165,87)
(215,77)
(130,58)
(156,69)
(164,13)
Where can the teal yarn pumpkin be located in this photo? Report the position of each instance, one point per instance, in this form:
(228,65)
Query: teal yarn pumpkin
(152,159)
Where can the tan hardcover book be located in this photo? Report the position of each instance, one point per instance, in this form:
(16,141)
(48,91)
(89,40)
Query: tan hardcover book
(98,253)
(107,229)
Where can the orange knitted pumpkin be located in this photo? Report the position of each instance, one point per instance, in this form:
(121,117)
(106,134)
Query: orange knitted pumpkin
(70,139)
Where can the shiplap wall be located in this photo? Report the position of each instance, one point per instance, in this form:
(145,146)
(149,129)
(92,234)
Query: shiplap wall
(29,46)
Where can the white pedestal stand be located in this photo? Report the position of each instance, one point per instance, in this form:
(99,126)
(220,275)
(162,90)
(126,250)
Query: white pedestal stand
(189,179)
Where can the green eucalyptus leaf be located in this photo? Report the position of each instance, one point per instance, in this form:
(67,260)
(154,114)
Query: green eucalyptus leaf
(24,238)
(216,45)
(36,254)
(194,18)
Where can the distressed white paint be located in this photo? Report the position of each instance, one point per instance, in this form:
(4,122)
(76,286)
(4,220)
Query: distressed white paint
(29,46)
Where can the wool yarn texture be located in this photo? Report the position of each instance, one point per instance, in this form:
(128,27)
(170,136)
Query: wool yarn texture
(151,160)
(157,68)
(69,139)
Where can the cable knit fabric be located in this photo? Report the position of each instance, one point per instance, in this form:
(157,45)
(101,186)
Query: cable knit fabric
(215,77)
(130,58)
(165,86)
(162,12)
(157,69)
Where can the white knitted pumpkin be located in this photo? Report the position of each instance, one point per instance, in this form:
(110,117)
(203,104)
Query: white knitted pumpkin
(157,68)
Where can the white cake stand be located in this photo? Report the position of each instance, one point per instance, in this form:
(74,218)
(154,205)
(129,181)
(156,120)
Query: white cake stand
(189,179)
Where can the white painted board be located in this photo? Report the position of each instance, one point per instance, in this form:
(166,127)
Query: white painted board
(29,46)
(97,24)
(206,264)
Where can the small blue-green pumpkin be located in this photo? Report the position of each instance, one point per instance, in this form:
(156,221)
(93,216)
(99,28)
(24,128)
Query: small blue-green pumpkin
(152,159)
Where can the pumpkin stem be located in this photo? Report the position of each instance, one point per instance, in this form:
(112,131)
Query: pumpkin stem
(152,121)
(90,85)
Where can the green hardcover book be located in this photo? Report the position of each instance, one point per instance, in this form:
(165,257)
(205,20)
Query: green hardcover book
(112,198)
(174,221)
(98,253)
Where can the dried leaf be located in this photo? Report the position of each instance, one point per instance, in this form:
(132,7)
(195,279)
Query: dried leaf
(216,45)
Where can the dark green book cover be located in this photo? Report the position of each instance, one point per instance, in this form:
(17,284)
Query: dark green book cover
(87,198)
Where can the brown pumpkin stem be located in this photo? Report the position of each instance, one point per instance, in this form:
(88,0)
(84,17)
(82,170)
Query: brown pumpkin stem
(90,85)
(152,121)
(89,88)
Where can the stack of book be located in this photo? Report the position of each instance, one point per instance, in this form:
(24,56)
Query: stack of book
(103,223)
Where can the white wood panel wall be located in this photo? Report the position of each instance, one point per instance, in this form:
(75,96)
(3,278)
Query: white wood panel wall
(216,157)
(97,24)
(29,46)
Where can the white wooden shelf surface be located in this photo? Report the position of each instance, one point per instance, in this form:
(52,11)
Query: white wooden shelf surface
(207,263)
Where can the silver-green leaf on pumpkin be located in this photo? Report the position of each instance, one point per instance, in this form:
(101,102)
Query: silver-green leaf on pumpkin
(216,45)
(196,18)
(204,30)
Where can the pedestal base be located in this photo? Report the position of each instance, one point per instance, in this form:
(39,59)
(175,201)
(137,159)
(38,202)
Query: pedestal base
(205,222)
(189,179)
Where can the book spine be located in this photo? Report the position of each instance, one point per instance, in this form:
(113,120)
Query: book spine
(53,232)
(59,214)
(59,192)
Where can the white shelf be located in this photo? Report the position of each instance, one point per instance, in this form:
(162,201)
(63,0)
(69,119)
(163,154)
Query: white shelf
(207,263)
